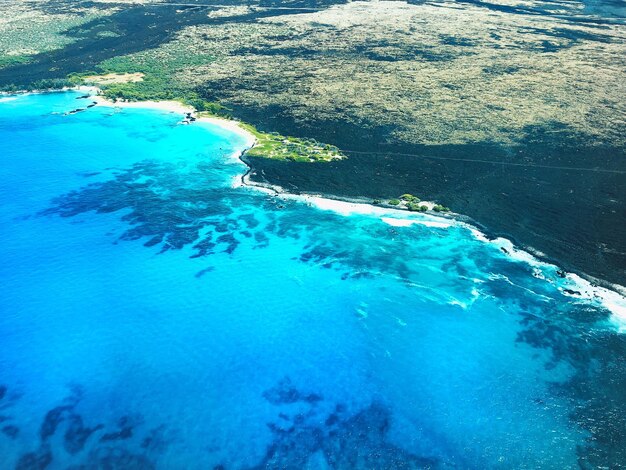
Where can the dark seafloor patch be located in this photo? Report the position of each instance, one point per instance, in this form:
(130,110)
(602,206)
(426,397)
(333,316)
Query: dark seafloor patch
(105,449)
(338,440)
(169,207)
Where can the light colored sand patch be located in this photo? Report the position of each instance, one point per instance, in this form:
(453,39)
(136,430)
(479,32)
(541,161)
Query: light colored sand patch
(178,108)
(111,78)
(169,106)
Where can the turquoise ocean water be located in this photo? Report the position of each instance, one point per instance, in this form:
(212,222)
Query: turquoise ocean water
(155,315)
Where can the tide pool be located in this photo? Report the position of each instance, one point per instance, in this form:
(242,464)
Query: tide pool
(154,314)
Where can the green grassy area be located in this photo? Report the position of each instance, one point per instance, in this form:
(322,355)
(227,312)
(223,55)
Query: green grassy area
(274,145)
(156,86)
(45,84)
(10,60)
(160,82)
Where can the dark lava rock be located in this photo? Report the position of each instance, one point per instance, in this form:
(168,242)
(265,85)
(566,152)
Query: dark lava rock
(571,292)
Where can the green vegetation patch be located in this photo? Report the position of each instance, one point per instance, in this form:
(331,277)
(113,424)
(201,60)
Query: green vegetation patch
(10,60)
(45,84)
(414,204)
(414,207)
(161,68)
(276,146)
(409,198)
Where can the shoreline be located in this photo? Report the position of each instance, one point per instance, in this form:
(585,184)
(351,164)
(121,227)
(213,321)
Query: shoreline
(177,107)
(578,286)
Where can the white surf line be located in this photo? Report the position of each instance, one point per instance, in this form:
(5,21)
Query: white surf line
(444,223)
(581,289)
(569,284)
(609,299)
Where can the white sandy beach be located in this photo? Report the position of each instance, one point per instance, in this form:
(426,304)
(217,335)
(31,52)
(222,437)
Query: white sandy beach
(178,108)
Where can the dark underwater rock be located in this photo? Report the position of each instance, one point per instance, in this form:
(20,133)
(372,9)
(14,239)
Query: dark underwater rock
(202,272)
(38,460)
(77,434)
(115,458)
(11,431)
(157,440)
(285,392)
(53,418)
(337,440)
(125,432)
(358,441)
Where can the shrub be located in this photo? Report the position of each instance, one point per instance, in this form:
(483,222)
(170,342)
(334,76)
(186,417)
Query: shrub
(413,207)
(49,84)
(440,208)
(423,208)
(376,201)
(394,202)
(9,88)
(409,198)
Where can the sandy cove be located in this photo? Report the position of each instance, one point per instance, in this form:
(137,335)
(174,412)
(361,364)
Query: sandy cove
(178,108)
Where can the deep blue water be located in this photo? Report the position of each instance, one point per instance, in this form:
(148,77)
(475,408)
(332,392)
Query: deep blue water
(152,315)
